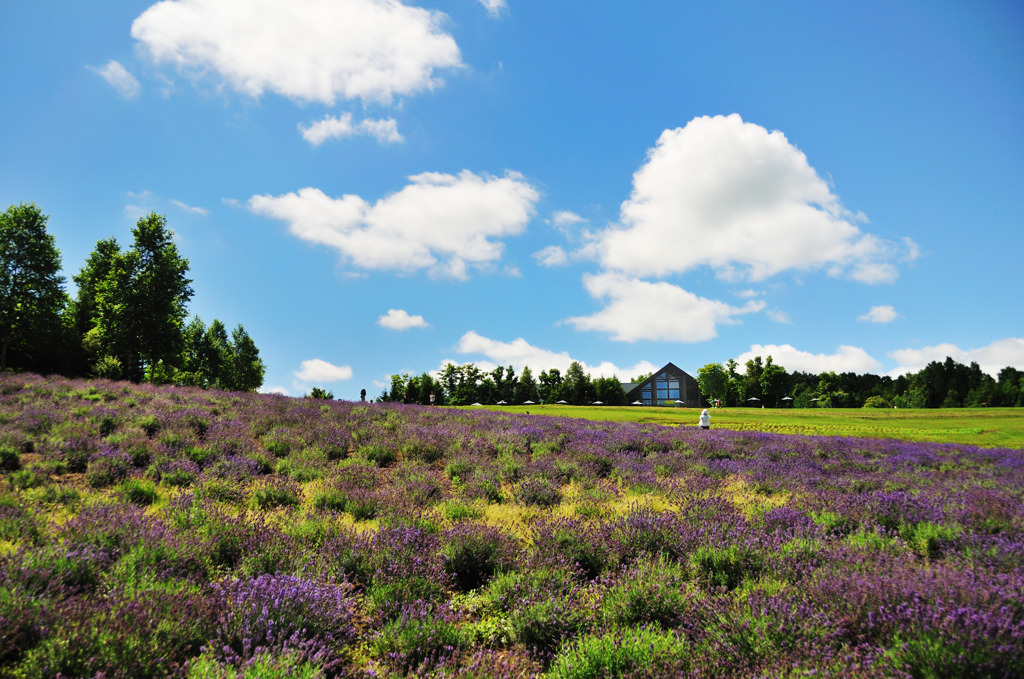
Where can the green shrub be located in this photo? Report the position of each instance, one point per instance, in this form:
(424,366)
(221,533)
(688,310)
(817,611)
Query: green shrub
(263,666)
(472,554)
(362,506)
(60,495)
(105,472)
(538,491)
(459,470)
(201,455)
(150,425)
(928,539)
(453,510)
(653,592)
(23,479)
(270,496)
(387,599)
(179,478)
(9,459)
(379,455)
(222,491)
(21,631)
(876,402)
(623,653)
(725,566)
(139,492)
(332,499)
(417,641)
(421,450)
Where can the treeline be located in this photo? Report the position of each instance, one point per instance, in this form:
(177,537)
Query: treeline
(763,382)
(127,320)
(467,384)
(946,384)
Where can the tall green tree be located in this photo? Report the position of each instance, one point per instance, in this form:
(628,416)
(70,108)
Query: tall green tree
(141,303)
(550,385)
(196,355)
(774,381)
(751,381)
(609,391)
(31,287)
(577,389)
(98,266)
(246,366)
(713,381)
(526,389)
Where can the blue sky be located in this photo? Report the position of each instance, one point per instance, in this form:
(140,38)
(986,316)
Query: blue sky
(373,187)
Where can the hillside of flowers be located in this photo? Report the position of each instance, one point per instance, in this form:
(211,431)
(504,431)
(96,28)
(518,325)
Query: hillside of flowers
(159,531)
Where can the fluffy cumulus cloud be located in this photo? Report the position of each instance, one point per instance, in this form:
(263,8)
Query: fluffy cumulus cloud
(399,319)
(314,50)
(729,194)
(440,222)
(341,127)
(118,77)
(494,7)
(642,310)
(991,358)
(552,255)
(519,353)
(318,370)
(845,359)
(880,314)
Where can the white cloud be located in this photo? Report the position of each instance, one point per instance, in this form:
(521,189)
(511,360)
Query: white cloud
(190,208)
(655,311)
(991,358)
(494,7)
(317,370)
(274,390)
(118,77)
(384,131)
(564,218)
(399,319)
(731,195)
(880,314)
(846,359)
(315,50)
(439,222)
(519,353)
(778,316)
(552,255)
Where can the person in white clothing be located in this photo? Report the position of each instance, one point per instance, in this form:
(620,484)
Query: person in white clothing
(705,420)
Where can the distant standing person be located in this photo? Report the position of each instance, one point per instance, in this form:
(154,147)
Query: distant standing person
(362,395)
(705,420)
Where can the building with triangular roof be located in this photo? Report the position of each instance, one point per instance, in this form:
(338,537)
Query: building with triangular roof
(668,386)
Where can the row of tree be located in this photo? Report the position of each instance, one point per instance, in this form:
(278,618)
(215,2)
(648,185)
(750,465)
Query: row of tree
(127,320)
(946,384)
(763,382)
(467,384)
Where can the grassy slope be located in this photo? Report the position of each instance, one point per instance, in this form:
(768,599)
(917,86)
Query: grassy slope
(992,427)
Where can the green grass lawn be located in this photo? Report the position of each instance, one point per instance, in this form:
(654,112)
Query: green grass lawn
(993,427)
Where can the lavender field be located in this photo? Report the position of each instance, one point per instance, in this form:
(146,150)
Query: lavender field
(153,531)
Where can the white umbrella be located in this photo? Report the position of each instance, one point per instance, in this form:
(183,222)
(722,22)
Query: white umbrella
(477,404)
(503,403)
(638,403)
(597,403)
(527,403)
(753,398)
(565,403)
